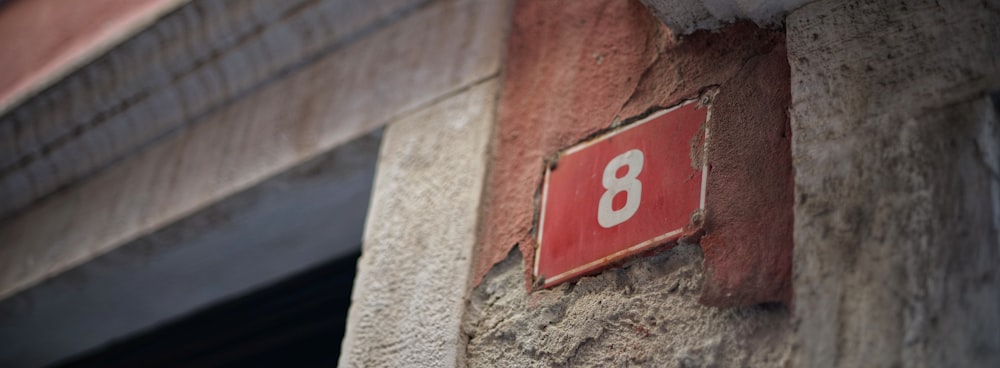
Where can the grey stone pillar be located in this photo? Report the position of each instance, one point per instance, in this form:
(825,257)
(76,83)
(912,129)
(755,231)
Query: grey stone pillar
(897,186)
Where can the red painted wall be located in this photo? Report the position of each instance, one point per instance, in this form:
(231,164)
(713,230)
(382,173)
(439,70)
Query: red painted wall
(39,37)
(574,68)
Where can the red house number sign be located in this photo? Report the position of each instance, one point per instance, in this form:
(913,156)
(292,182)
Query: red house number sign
(620,194)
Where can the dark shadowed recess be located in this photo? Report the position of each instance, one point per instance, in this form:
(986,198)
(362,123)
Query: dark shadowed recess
(296,323)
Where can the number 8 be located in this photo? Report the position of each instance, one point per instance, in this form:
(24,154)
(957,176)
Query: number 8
(608,216)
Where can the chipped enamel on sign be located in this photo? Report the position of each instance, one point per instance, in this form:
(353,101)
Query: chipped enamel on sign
(621,193)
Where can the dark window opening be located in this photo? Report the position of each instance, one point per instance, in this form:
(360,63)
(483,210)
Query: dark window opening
(298,322)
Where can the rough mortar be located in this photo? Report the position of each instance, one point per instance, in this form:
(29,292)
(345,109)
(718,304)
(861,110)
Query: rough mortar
(685,16)
(645,314)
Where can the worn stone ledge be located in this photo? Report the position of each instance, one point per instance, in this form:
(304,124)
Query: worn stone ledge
(192,62)
(343,95)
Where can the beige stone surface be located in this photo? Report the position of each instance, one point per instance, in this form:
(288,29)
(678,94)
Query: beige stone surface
(409,294)
(434,52)
(897,212)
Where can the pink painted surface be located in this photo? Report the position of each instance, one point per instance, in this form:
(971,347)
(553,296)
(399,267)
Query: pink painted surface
(660,181)
(42,39)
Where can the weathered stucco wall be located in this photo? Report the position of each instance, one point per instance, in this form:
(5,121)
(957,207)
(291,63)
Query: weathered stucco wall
(897,187)
(577,68)
(897,190)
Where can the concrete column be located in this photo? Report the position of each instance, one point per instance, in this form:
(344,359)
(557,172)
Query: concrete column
(897,187)
(409,294)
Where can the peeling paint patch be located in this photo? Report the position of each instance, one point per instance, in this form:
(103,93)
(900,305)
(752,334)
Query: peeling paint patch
(556,95)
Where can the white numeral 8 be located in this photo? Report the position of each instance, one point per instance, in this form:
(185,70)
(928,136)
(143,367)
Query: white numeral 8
(608,216)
